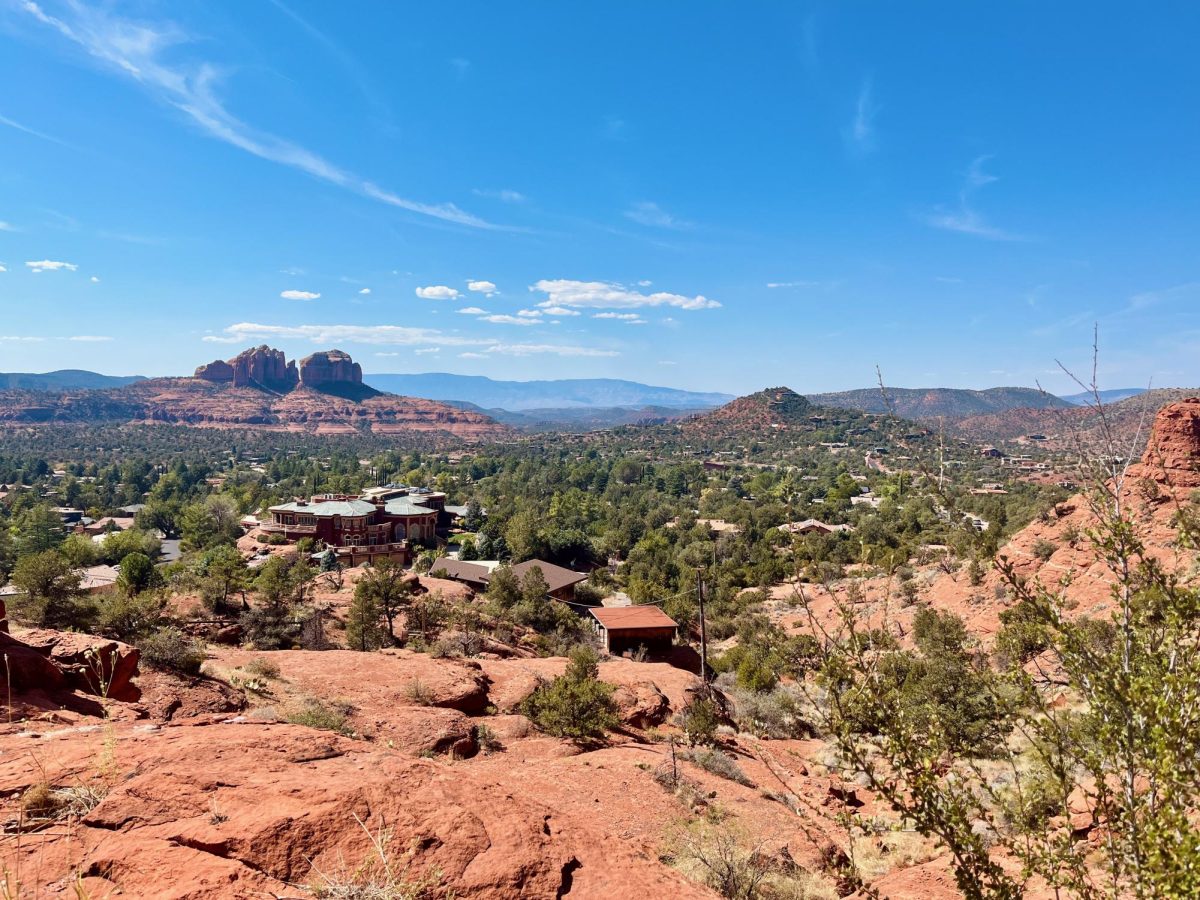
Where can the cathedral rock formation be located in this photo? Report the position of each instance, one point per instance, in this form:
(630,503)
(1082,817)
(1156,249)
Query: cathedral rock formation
(329,367)
(258,367)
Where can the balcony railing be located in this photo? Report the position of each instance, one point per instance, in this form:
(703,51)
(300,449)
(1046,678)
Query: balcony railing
(276,528)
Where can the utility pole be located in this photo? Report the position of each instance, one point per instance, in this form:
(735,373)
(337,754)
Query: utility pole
(703,631)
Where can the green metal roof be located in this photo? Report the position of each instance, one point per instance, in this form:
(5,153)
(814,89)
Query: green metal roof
(403,506)
(329,508)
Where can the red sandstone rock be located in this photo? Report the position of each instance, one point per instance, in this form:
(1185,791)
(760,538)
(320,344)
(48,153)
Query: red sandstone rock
(1173,453)
(93,665)
(217,371)
(27,668)
(329,367)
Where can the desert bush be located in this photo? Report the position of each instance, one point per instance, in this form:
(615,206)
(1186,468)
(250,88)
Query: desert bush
(1043,549)
(171,649)
(720,764)
(262,667)
(129,618)
(700,720)
(776,714)
(577,704)
(418,693)
(325,716)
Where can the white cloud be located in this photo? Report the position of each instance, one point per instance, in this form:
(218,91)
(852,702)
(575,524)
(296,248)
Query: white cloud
(560,311)
(505,195)
(392,335)
(7,226)
(421,351)
(645,282)
(438,292)
(138,50)
(2,269)
(509,320)
(94,280)
(470,355)
(482,287)
(24,339)
(627,318)
(965,219)
(299,295)
(387,353)
(365,291)
(50,265)
(860,134)
(606,295)
(653,215)
(529,313)
(333,334)
(90,338)
(549,349)
(472,311)
(795,284)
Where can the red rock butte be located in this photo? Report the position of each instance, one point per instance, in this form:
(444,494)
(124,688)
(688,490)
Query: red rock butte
(269,368)
(1173,452)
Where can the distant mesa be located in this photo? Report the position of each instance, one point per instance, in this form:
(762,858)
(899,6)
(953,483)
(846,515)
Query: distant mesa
(261,389)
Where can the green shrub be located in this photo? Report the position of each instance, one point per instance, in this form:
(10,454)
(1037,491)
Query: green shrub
(171,649)
(315,713)
(700,721)
(577,704)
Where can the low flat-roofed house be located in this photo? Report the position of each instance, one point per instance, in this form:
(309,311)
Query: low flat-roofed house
(624,628)
(97,579)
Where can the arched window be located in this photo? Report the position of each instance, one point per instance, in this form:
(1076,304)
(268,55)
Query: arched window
(401,533)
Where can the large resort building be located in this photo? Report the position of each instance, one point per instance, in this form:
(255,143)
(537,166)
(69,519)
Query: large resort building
(383,522)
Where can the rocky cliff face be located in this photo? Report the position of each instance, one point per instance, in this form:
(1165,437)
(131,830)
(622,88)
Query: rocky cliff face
(257,367)
(1173,452)
(329,367)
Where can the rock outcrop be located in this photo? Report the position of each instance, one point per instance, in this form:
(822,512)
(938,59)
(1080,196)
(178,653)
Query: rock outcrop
(1173,453)
(329,367)
(218,371)
(90,664)
(257,367)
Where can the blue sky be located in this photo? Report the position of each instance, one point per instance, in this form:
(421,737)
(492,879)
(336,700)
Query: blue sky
(716,196)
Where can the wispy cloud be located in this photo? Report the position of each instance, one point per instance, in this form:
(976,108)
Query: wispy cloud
(32,132)
(859,135)
(50,265)
(487,288)
(505,195)
(965,219)
(628,318)
(364,291)
(90,338)
(823,285)
(140,51)
(300,295)
(438,292)
(8,226)
(20,339)
(654,216)
(391,335)
(472,311)
(510,320)
(609,295)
